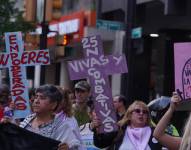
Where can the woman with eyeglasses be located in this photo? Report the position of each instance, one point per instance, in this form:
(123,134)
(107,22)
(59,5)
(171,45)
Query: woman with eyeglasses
(135,132)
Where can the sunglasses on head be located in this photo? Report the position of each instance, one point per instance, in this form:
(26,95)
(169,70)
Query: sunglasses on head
(138,111)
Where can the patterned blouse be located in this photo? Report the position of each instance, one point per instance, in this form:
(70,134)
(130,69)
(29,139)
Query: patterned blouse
(56,129)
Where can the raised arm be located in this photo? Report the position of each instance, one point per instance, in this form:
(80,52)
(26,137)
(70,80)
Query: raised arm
(101,140)
(159,133)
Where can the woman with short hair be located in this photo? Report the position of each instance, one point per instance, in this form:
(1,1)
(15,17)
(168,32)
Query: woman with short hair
(43,121)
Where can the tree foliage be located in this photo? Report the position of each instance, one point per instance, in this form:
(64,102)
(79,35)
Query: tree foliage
(11,18)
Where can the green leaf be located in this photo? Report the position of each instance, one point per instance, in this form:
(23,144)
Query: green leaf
(7,13)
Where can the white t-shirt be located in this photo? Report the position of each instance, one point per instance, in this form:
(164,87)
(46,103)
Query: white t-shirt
(87,137)
(74,126)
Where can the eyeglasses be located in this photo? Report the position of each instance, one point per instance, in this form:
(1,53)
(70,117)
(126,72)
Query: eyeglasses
(138,111)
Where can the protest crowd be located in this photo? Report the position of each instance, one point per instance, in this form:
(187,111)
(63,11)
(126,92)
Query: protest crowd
(95,75)
(86,117)
(75,125)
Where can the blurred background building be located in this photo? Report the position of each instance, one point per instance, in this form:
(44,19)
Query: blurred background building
(144,30)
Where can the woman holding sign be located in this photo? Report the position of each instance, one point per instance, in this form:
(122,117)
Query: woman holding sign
(171,142)
(134,132)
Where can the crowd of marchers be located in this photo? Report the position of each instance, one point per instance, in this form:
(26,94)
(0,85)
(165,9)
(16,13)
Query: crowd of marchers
(69,116)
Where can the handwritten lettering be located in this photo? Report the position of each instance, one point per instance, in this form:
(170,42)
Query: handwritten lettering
(118,59)
(27,58)
(96,67)
(187,72)
(81,65)
(186,81)
(99,89)
(15,59)
(17,88)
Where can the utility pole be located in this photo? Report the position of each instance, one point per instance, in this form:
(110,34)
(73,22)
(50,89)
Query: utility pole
(127,79)
(43,40)
(44,25)
(40,70)
(99,8)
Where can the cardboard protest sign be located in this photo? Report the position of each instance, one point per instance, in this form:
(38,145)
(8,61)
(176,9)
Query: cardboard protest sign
(182,59)
(96,67)
(15,59)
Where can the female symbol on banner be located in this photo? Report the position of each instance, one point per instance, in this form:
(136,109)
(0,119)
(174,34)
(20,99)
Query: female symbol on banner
(186,80)
(96,67)
(182,65)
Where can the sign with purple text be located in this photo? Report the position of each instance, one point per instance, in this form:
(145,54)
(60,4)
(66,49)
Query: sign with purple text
(96,67)
(15,59)
(182,58)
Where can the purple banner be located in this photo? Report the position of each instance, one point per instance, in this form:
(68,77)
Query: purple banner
(112,64)
(15,59)
(96,67)
(182,59)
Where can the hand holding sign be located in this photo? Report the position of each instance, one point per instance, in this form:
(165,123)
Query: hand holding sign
(175,101)
(96,67)
(15,59)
